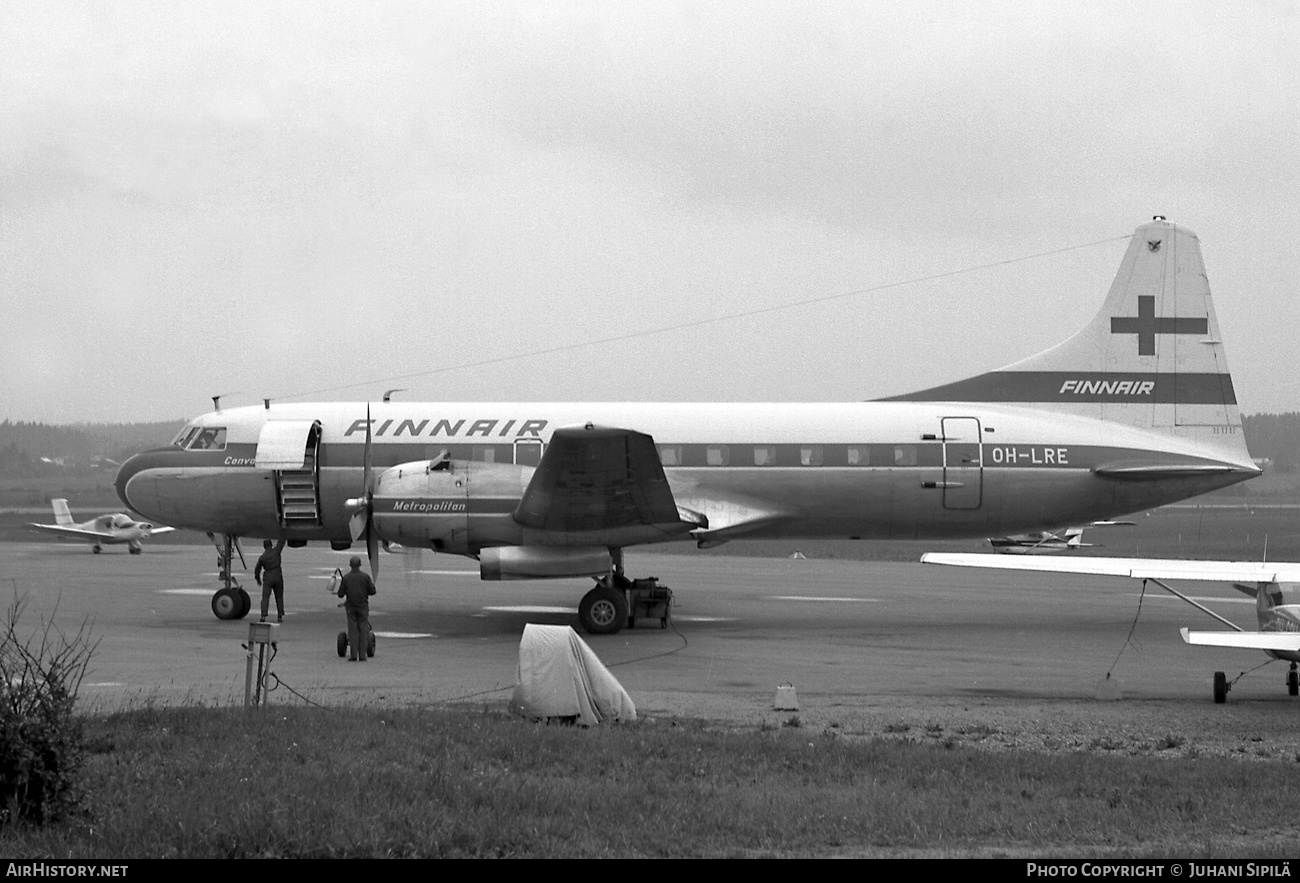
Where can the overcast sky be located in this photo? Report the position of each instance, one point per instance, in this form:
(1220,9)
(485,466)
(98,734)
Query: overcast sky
(308,199)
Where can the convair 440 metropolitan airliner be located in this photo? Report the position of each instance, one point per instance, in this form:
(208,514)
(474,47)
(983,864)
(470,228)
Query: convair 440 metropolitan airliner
(1134,411)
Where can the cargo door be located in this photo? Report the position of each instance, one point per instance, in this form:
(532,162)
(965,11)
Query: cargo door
(963,463)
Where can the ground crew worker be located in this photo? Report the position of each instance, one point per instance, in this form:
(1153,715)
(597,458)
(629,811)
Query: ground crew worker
(268,566)
(355,590)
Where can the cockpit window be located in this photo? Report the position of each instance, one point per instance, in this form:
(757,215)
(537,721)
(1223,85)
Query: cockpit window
(210,438)
(185,437)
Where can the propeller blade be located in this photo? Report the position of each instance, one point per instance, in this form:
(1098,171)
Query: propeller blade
(358,523)
(369,459)
(372,549)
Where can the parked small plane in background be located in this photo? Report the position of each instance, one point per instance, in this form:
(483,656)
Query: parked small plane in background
(1043,542)
(1134,411)
(1274,586)
(103,530)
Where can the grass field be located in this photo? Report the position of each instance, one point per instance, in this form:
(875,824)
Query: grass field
(206,782)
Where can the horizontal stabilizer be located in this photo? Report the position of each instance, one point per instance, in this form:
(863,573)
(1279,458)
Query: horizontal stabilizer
(1171,470)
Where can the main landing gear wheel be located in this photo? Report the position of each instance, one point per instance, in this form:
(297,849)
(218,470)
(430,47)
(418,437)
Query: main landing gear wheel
(1293,681)
(245,604)
(1220,688)
(343,644)
(136,550)
(97,549)
(227,604)
(603,610)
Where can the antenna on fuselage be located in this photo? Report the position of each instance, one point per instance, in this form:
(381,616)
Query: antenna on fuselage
(388,395)
(216,399)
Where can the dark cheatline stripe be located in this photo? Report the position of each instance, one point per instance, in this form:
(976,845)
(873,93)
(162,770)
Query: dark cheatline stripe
(1056,387)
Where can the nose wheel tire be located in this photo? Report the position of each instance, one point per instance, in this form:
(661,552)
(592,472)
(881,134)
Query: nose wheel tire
(227,604)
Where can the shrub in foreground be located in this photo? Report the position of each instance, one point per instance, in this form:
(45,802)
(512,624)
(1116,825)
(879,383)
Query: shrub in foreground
(41,740)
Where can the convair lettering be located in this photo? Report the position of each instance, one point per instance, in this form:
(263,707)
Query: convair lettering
(1108,387)
(1030,455)
(484,428)
(240,461)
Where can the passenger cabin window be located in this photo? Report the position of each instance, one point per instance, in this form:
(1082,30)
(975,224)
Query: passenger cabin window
(528,452)
(764,455)
(811,456)
(210,438)
(717,455)
(670,455)
(905,455)
(859,456)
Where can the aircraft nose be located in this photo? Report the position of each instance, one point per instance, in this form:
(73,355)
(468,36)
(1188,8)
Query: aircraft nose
(124,474)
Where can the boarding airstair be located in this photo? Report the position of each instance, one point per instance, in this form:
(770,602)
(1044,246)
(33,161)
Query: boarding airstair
(298,490)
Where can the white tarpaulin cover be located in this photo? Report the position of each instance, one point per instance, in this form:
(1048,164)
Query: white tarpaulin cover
(560,676)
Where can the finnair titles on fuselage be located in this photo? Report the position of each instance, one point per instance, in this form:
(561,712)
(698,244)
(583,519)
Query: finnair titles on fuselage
(1134,411)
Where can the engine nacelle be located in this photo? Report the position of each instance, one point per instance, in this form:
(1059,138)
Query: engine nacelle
(455,506)
(543,562)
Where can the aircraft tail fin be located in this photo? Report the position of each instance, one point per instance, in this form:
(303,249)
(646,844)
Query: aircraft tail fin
(62,515)
(1152,357)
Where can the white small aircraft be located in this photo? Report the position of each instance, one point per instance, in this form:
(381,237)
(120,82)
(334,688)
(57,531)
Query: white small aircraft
(1274,586)
(102,530)
(1042,542)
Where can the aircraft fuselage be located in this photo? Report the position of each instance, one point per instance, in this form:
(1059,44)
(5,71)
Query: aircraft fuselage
(855,470)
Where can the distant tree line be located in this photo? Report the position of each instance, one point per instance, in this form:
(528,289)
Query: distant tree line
(1275,437)
(28,449)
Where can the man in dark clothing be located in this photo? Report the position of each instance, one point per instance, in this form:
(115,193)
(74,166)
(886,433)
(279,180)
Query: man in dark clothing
(355,590)
(268,575)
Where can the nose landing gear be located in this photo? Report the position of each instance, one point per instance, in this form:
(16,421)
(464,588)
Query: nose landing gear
(230,601)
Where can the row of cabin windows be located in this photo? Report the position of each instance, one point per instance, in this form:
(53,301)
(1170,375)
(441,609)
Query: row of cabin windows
(196,438)
(809,455)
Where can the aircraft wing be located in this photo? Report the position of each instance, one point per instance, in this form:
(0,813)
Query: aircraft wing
(157,530)
(1136,568)
(75,531)
(1289,641)
(599,479)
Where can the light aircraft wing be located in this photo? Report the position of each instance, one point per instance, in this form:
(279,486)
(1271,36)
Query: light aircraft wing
(1287,641)
(157,530)
(1136,568)
(75,531)
(595,478)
